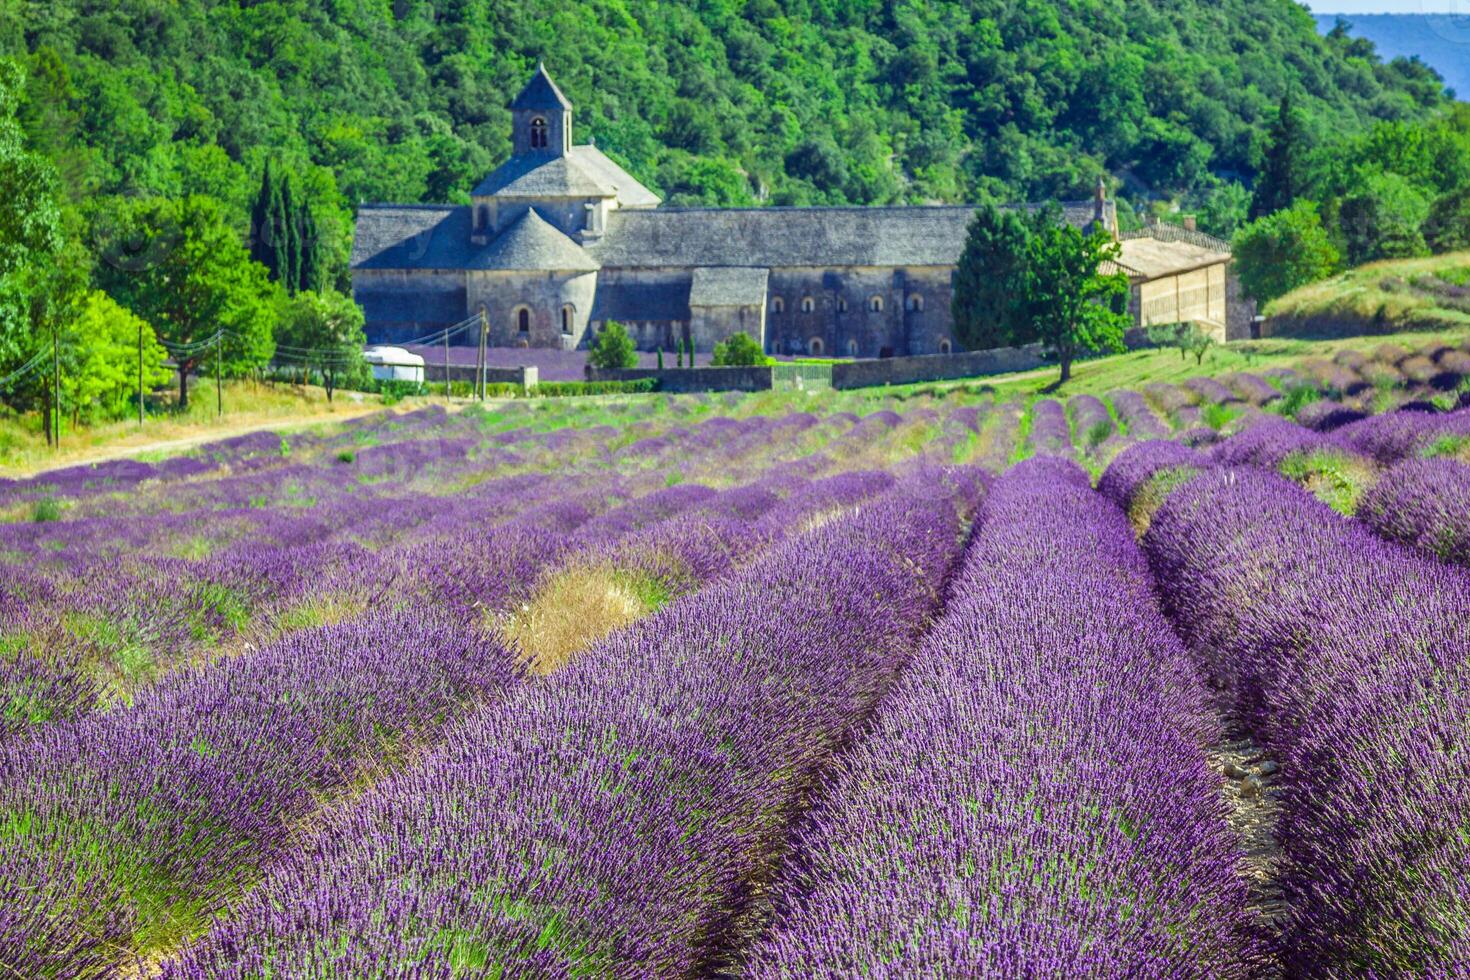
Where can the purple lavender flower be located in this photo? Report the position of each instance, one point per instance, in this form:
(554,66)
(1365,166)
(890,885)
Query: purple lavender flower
(994,820)
(1345,656)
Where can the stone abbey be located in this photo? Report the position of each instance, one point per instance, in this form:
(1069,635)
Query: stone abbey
(559,240)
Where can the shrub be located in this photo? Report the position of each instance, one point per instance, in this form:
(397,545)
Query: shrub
(739,350)
(46,509)
(1282,251)
(614,349)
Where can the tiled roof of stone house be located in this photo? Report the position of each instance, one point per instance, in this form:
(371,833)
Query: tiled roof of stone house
(630,301)
(728,286)
(530,244)
(584,172)
(418,237)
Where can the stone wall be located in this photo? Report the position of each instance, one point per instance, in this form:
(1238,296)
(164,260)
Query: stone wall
(684,380)
(542,295)
(830,312)
(526,377)
(936,367)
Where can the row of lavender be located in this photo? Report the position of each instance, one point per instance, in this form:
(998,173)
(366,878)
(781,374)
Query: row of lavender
(139,823)
(623,815)
(1008,815)
(1346,657)
(86,619)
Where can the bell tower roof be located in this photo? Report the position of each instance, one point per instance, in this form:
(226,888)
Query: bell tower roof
(542,94)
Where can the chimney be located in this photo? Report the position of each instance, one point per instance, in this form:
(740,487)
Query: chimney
(1189,223)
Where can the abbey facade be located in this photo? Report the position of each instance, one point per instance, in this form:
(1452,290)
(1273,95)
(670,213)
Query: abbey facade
(560,240)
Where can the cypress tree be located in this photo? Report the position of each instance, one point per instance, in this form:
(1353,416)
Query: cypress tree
(660,358)
(678,353)
(689,345)
(311,253)
(290,268)
(1286,172)
(260,217)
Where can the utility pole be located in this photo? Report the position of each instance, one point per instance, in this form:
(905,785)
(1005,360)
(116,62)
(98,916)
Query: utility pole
(219,389)
(446,366)
(480,365)
(140,372)
(56,382)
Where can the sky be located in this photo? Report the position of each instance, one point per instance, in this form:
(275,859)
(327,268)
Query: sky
(1390,6)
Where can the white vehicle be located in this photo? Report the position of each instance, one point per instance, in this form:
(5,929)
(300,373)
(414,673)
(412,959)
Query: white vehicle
(394,364)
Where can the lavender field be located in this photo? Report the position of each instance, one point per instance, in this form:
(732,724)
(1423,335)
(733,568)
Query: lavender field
(1167,682)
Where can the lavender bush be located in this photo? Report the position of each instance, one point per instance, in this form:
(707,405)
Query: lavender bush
(1346,656)
(625,808)
(993,821)
(1423,503)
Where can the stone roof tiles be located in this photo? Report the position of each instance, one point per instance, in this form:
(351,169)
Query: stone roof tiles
(417,237)
(584,172)
(532,245)
(728,286)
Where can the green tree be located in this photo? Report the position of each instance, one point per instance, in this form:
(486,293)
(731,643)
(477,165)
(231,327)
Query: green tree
(1286,171)
(738,350)
(1381,219)
(1038,279)
(1071,305)
(99,380)
(1447,229)
(1278,253)
(984,306)
(181,267)
(267,235)
(40,275)
(289,273)
(614,349)
(325,331)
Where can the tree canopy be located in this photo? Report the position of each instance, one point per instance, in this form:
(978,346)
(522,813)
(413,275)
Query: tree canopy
(1282,251)
(183,268)
(770,101)
(1038,279)
(613,349)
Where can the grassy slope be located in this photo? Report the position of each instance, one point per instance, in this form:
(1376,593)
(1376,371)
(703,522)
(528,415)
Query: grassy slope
(1381,296)
(248,407)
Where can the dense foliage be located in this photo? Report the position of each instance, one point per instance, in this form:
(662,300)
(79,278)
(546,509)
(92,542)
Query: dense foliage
(1282,251)
(738,350)
(785,101)
(1036,279)
(613,350)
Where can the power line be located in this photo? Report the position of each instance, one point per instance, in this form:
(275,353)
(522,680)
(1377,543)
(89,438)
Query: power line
(29,367)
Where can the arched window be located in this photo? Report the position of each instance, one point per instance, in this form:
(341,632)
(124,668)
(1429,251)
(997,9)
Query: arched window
(778,305)
(807,304)
(538,133)
(815,346)
(876,304)
(916,303)
(945,347)
(523,320)
(852,348)
(567,313)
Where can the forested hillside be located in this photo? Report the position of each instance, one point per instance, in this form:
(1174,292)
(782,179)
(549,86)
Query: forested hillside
(781,101)
(1439,40)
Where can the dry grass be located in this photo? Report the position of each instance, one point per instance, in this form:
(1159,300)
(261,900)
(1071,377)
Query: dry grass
(1380,297)
(572,610)
(247,407)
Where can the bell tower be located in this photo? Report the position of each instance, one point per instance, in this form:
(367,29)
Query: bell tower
(542,118)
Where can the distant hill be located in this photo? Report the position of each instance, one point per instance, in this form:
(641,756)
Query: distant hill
(1441,41)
